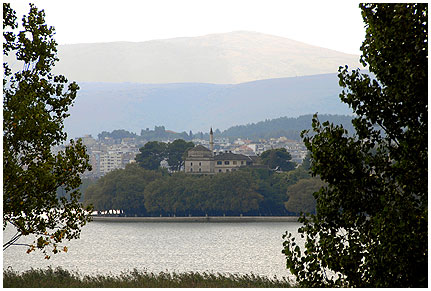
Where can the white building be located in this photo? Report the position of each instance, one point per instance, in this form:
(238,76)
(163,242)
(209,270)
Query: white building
(110,161)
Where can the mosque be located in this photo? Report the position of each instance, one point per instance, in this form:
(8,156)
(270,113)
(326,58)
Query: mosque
(201,160)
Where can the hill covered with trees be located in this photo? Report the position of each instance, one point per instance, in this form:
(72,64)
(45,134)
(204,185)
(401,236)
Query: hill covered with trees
(289,127)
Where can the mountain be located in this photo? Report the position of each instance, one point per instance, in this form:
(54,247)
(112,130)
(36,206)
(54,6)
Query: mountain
(199,106)
(193,83)
(226,58)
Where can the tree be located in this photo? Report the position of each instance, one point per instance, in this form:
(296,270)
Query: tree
(117,134)
(35,104)
(181,194)
(121,189)
(301,198)
(273,188)
(278,159)
(370,228)
(154,152)
(151,155)
(306,163)
(175,153)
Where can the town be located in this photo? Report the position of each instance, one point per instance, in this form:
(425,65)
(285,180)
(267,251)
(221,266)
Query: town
(108,154)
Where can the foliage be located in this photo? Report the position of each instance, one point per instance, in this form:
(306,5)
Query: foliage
(293,177)
(155,152)
(151,155)
(160,133)
(273,187)
(85,183)
(182,194)
(60,278)
(370,228)
(278,159)
(121,189)
(117,134)
(306,162)
(301,197)
(142,192)
(175,153)
(35,104)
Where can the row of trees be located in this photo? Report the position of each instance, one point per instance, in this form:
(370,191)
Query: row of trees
(183,194)
(142,192)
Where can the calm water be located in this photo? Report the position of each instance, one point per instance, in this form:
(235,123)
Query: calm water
(113,247)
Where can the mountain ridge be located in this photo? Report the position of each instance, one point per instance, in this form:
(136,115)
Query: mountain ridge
(198,106)
(223,58)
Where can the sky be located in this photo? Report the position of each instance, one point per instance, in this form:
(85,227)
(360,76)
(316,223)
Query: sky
(333,24)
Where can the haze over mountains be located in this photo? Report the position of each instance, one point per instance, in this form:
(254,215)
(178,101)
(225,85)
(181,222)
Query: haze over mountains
(226,58)
(193,83)
(199,106)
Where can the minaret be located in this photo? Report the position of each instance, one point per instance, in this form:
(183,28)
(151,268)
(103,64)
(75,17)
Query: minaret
(211,141)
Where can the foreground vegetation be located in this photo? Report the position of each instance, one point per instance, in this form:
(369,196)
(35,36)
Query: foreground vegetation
(35,104)
(60,278)
(371,222)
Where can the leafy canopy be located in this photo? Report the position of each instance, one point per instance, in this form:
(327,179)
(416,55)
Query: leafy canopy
(301,198)
(155,152)
(140,192)
(278,159)
(370,229)
(122,189)
(151,155)
(35,104)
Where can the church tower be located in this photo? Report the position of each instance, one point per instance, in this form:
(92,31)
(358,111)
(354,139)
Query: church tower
(211,141)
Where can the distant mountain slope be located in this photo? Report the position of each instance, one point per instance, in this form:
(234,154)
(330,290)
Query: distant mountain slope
(290,127)
(226,58)
(196,106)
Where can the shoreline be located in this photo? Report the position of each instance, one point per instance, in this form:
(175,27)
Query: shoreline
(197,219)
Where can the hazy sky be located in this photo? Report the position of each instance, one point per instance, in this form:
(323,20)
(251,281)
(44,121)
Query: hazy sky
(331,24)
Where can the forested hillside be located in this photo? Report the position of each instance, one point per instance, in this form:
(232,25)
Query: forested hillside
(289,127)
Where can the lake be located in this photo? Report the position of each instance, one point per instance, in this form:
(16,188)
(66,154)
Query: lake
(114,247)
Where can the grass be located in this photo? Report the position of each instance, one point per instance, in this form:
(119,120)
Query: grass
(60,278)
